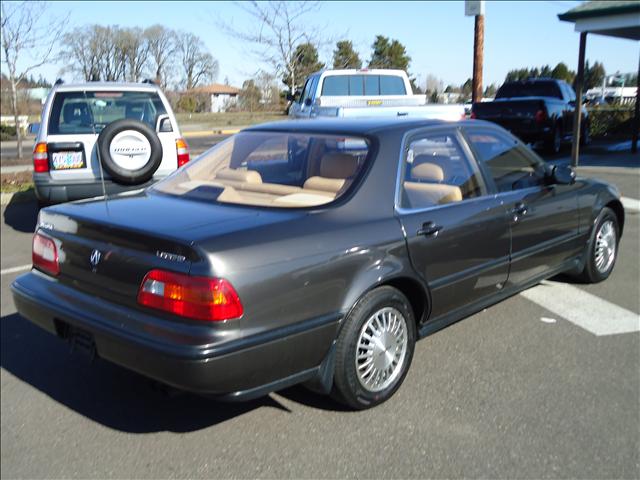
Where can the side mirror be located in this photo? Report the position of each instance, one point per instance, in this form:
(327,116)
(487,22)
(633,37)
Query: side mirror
(34,128)
(307,102)
(290,97)
(562,175)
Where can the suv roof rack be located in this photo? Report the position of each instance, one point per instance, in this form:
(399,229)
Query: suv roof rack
(148,80)
(59,82)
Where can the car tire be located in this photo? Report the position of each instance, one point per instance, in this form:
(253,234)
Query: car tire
(553,144)
(602,249)
(133,136)
(368,373)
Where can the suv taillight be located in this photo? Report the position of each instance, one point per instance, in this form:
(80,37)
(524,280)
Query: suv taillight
(201,298)
(182,149)
(541,116)
(45,255)
(40,158)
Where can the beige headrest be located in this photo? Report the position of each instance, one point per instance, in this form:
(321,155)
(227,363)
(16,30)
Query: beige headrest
(323,184)
(246,176)
(427,171)
(338,165)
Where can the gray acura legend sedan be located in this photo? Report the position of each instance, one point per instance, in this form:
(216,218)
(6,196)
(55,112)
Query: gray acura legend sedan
(313,252)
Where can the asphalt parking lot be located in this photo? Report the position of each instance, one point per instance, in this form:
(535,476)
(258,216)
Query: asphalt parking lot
(524,389)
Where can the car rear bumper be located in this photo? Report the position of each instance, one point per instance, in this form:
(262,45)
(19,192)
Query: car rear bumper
(241,368)
(56,191)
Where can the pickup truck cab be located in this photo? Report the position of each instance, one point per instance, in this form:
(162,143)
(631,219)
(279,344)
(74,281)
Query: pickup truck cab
(366,93)
(538,111)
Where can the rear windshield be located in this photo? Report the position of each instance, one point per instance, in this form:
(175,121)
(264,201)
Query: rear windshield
(272,169)
(529,89)
(350,85)
(82,112)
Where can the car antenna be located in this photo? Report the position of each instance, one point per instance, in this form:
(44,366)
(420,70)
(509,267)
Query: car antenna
(93,128)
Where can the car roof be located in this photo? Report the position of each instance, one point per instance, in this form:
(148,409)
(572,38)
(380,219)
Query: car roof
(111,86)
(355,126)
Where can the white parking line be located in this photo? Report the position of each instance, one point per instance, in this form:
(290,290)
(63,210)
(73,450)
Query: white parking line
(583,309)
(630,204)
(15,269)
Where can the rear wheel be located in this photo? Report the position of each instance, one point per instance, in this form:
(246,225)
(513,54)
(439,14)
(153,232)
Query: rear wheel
(374,349)
(602,249)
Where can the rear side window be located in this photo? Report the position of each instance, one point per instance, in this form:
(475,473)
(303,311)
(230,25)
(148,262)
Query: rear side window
(80,112)
(350,85)
(509,163)
(437,172)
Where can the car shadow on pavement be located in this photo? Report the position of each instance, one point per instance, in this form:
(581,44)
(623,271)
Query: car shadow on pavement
(21,215)
(106,393)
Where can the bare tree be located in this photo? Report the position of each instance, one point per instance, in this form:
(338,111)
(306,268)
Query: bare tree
(198,65)
(281,27)
(161,42)
(134,45)
(28,38)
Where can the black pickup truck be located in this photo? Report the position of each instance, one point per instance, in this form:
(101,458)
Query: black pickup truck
(538,111)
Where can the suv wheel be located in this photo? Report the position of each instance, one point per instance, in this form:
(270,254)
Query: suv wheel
(130,151)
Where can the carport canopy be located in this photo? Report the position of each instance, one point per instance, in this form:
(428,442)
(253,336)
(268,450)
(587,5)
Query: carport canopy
(612,18)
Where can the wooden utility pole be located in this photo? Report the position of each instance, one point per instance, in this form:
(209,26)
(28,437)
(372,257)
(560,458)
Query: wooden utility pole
(478,59)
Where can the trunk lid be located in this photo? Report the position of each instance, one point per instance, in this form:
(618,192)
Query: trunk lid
(107,247)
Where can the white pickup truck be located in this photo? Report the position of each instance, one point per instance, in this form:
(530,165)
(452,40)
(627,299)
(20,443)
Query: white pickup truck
(366,93)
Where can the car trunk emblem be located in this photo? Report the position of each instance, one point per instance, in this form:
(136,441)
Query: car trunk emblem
(95,259)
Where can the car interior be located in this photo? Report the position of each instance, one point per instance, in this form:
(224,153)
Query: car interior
(299,173)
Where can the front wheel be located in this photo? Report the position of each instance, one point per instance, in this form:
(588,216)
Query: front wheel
(602,249)
(374,349)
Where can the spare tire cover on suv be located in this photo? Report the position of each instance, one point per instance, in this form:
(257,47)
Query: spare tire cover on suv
(130,151)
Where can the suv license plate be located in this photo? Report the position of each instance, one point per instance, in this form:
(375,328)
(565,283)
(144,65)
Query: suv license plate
(67,160)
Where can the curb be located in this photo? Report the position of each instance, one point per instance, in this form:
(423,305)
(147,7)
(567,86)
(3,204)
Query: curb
(16,197)
(207,133)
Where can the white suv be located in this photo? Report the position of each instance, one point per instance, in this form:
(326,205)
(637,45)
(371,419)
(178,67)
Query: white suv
(124,133)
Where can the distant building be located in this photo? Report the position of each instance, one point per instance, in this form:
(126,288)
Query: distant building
(622,95)
(219,97)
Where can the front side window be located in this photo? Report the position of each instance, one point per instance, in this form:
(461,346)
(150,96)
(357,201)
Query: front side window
(272,169)
(86,112)
(436,172)
(509,163)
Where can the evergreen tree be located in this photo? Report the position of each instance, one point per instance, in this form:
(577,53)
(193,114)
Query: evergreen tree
(389,54)
(344,56)
(305,63)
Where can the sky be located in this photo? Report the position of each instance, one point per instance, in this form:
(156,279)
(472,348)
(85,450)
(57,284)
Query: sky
(437,35)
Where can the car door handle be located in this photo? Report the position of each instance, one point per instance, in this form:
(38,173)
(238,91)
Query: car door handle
(518,211)
(429,229)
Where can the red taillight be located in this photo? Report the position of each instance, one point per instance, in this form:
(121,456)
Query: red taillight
(45,255)
(541,116)
(182,149)
(202,298)
(40,158)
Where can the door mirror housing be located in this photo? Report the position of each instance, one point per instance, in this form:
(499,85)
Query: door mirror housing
(34,128)
(561,175)
(307,102)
